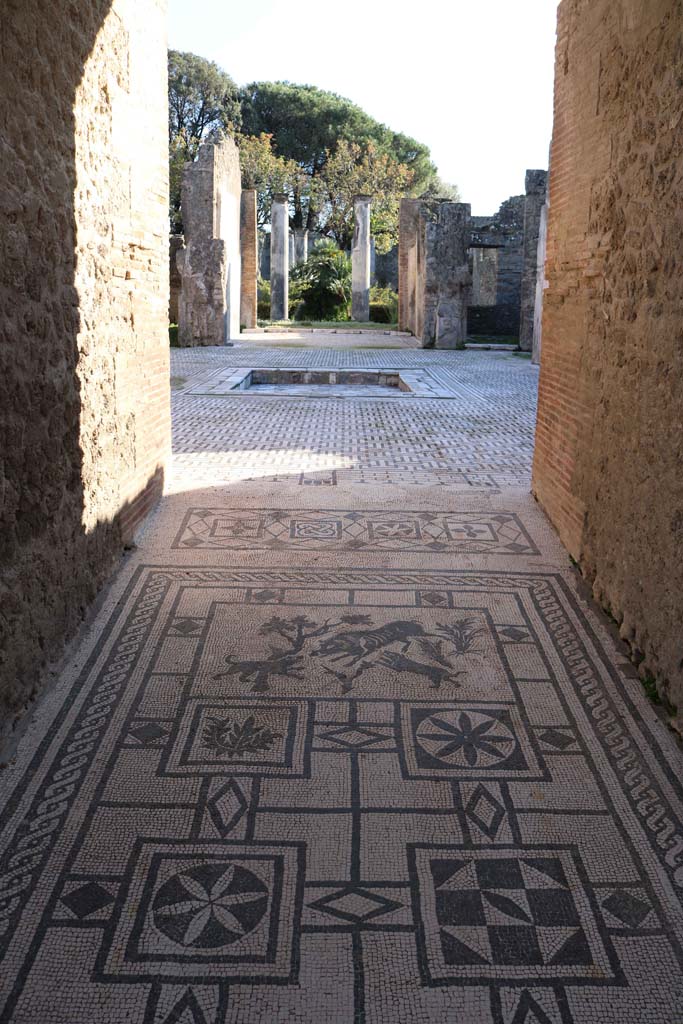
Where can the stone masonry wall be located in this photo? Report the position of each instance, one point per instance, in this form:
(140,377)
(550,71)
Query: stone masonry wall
(434,278)
(210,263)
(536,188)
(504,232)
(84,398)
(175,244)
(609,446)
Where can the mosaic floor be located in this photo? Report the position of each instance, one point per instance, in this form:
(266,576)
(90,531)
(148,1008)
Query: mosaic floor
(344,743)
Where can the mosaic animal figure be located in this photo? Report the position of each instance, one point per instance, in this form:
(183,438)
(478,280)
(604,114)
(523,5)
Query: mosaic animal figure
(279,664)
(436,674)
(352,645)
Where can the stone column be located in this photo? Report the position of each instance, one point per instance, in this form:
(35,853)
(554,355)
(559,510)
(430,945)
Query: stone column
(536,185)
(249,248)
(541,284)
(279,259)
(360,260)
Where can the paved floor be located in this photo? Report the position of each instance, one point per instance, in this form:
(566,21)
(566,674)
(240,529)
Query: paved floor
(345,744)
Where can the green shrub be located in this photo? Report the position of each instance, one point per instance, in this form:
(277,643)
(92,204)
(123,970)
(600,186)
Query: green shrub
(173,335)
(380,313)
(322,285)
(297,288)
(387,299)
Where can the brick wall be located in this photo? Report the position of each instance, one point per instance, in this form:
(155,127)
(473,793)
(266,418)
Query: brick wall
(84,398)
(609,444)
(249,254)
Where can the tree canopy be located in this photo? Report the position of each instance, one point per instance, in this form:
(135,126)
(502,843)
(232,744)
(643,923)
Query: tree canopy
(203,100)
(315,146)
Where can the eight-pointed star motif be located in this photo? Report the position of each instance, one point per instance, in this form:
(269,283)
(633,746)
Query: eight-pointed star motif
(466,738)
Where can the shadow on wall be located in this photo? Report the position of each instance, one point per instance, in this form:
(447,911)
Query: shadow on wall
(63,441)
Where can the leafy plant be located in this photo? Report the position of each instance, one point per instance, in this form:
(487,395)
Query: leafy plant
(229,737)
(462,634)
(383,306)
(324,284)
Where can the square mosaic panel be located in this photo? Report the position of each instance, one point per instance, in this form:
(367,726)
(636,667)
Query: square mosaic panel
(451,741)
(207,910)
(215,737)
(527,914)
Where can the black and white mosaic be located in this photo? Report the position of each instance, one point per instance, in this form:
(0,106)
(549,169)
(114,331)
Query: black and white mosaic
(356,795)
(226,529)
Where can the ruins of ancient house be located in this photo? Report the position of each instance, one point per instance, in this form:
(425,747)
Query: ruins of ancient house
(85,296)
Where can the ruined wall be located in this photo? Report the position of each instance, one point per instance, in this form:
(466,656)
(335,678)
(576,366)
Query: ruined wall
(609,444)
(84,415)
(434,277)
(504,232)
(536,187)
(210,263)
(386,269)
(484,276)
(175,244)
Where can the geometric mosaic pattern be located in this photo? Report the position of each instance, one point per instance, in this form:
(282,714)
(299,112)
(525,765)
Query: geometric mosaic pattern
(528,915)
(404,784)
(206,838)
(336,530)
(482,440)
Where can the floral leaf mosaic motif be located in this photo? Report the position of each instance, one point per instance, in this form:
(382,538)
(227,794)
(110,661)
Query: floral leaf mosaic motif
(232,739)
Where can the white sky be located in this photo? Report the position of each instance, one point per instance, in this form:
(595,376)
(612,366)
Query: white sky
(472,79)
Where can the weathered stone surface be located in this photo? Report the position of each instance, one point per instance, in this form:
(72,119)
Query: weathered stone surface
(484,276)
(434,277)
(84,417)
(536,187)
(176,243)
(386,269)
(279,259)
(609,441)
(299,250)
(209,265)
(360,260)
(540,284)
(249,254)
(503,233)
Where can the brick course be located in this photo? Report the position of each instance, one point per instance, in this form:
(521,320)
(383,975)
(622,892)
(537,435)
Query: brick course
(607,465)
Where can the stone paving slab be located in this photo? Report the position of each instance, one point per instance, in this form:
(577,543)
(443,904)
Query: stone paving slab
(358,754)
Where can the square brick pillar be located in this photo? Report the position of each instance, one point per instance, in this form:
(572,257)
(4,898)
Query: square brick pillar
(249,252)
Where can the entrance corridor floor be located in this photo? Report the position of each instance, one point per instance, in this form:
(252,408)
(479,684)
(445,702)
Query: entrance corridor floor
(345,742)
